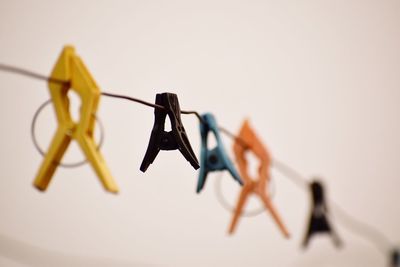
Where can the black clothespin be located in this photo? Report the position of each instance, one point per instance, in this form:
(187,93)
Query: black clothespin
(175,139)
(319,218)
(395,258)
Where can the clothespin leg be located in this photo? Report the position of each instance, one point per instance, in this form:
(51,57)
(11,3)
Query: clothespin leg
(306,241)
(335,238)
(239,207)
(202,179)
(56,151)
(268,205)
(94,157)
(307,236)
(84,136)
(235,175)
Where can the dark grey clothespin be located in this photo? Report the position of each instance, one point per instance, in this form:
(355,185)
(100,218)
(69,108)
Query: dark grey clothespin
(174,139)
(319,217)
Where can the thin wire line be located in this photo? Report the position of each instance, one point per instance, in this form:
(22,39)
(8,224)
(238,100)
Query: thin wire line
(358,227)
(190,112)
(233,136)
(28,73)
(290,173)
(38,76)
(134,100)
(362,229)
(196,114)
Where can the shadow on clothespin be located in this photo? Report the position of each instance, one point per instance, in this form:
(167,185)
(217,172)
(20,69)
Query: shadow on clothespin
(319,221)
(246,141)
(70,68)
(395,258)
(162,140)
(215,159)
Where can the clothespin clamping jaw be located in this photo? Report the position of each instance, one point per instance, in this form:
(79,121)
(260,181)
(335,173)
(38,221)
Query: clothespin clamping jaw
(215,159)
(395,258)
(70,68)
(319,218)
(246,141)
(175,139)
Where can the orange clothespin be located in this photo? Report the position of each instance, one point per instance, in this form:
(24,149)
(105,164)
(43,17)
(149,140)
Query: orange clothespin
(247,140)
(70,68)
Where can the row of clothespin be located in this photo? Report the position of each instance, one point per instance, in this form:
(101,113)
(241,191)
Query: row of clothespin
(75,76)
(70,68)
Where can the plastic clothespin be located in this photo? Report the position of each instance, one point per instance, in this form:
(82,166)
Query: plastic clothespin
(71,69)
(395,258)
(247,140)
(215,159)
(319,218)
(175,139)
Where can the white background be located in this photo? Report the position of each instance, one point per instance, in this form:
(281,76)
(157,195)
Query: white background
(319,81)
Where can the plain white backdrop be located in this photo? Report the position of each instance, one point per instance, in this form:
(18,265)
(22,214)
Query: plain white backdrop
(319,81)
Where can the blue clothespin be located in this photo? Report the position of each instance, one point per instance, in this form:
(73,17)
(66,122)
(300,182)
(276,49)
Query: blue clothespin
(215,159)
(395,258)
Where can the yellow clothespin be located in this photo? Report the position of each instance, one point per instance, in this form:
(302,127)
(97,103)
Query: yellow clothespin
(70,68)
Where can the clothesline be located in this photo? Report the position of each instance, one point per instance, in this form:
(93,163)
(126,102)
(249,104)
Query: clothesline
(353,224)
